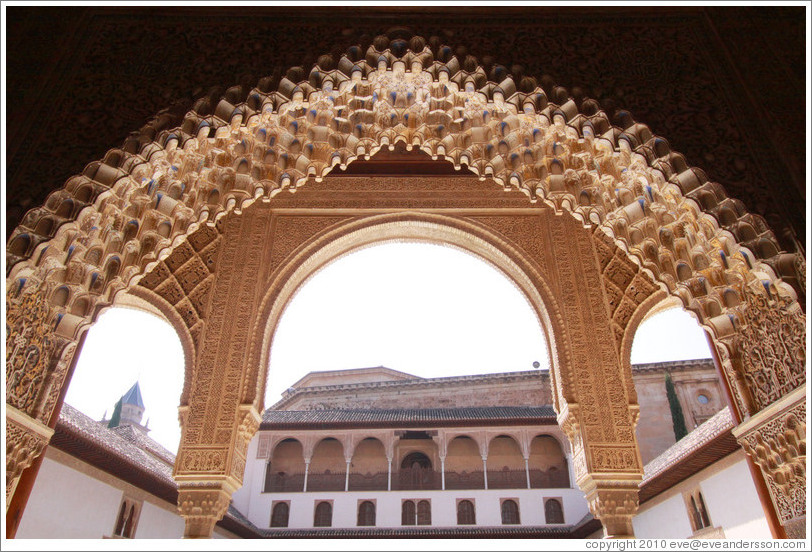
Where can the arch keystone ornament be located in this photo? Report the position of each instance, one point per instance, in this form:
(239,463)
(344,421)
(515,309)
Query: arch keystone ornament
(595,223)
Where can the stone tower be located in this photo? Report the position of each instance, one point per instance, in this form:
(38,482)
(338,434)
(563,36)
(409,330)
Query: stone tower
(132,408)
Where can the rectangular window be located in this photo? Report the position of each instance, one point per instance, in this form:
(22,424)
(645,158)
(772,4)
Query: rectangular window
(466,513)
(323,514)
(510,511)
(415,512)
(366,513)
(280,512)
(553,511)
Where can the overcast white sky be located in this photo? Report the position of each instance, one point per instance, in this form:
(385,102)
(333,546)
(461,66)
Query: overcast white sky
(428,310)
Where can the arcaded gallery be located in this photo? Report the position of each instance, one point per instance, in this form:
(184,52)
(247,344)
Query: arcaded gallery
(202,164)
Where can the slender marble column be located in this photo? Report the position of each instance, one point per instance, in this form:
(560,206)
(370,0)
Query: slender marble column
(485,470)
(527,471)
(307,469)
(442,471)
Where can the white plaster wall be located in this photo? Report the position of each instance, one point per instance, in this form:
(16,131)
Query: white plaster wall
(157,523)
(667,520)
(219,533)
(70,501)
(730,497)
(242,496)
(733,502)
(443,506)
(65,503)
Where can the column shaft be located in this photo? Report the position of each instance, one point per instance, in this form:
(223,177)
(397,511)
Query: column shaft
(442,471)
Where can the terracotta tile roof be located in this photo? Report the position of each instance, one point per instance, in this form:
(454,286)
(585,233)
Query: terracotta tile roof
(145,443)
(76,424)
(711,441)
(707,431)
(407,417)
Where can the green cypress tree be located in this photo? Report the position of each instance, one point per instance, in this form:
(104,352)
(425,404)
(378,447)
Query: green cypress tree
(115,419)
(677,417)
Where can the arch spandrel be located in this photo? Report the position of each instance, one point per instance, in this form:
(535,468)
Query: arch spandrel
(121,218)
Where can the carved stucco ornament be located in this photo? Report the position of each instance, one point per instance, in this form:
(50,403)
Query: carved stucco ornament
(143,205)
(776,441)
(202,505)
(25,440)
(771,347)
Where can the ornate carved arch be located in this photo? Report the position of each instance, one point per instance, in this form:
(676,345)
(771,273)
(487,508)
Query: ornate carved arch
(340,240)
(153,206)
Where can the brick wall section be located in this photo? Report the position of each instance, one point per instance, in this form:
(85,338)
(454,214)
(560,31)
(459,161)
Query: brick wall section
(655,430)
(513,388)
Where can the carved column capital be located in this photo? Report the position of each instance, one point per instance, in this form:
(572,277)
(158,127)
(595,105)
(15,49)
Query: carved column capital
(615,504)
(202,505)
(26,438)
(775,439)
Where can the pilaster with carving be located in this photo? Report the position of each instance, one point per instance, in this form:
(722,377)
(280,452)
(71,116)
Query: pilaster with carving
(217,425)
(601,413)
(775,439)
(26,438)
(764,360)
(609,476)
(770,346)
(37,361)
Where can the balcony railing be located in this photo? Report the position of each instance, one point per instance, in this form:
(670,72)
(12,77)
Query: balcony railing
(464,480)
(325,482)
(552,478)
(284,483)
(368,482)
(424,479)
